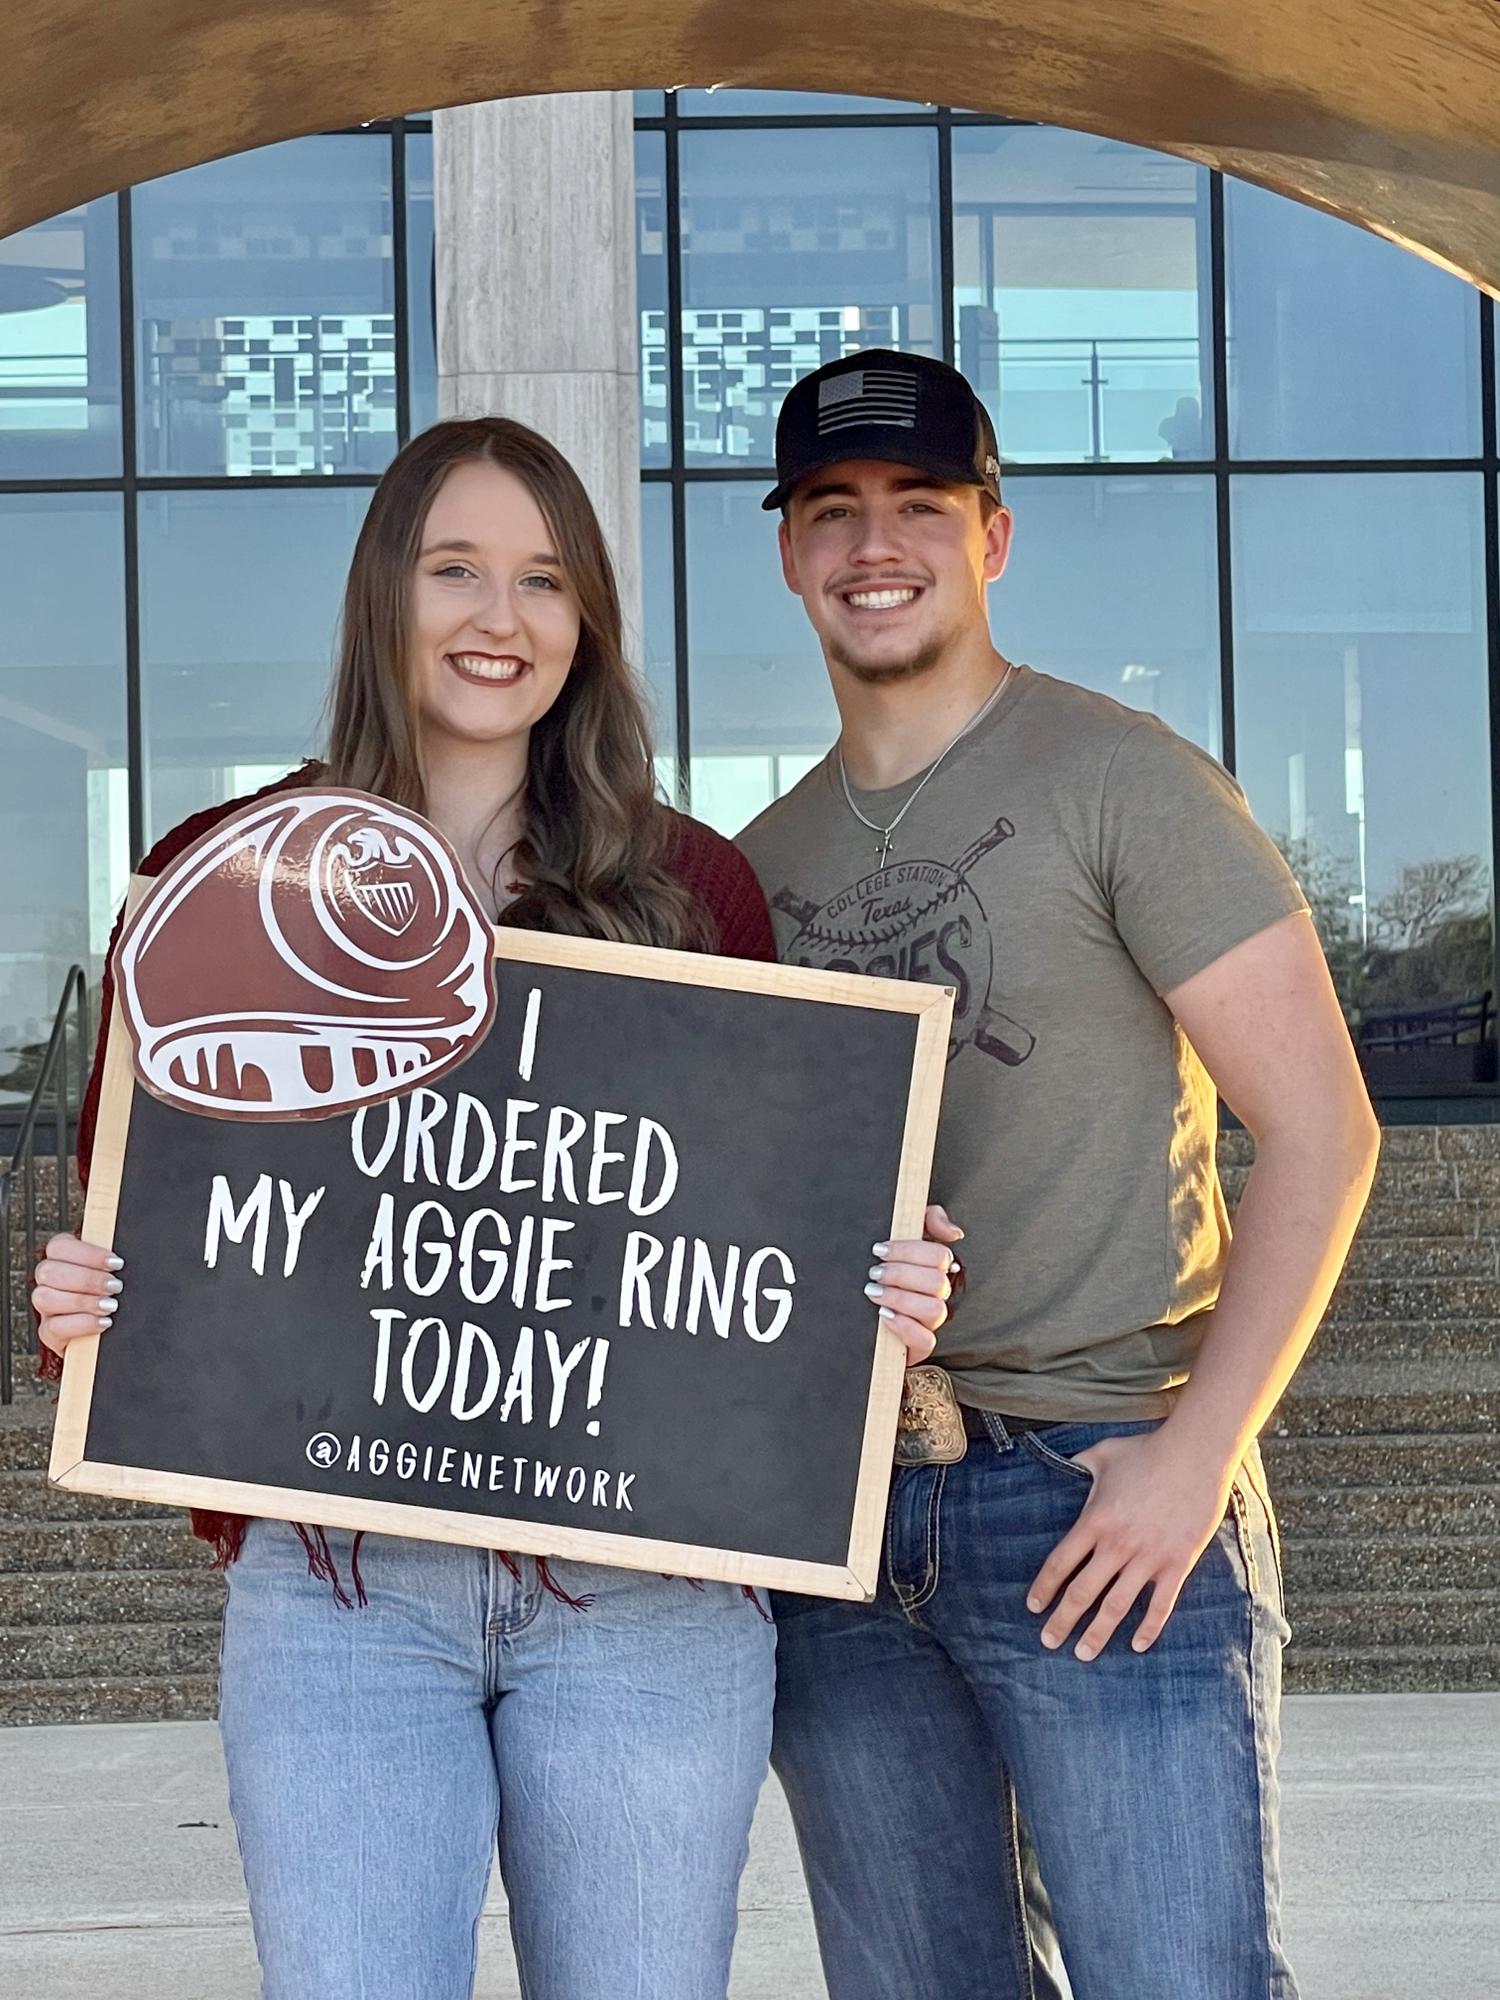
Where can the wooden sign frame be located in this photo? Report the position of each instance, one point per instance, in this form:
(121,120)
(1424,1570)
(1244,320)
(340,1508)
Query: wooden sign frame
(856,1577)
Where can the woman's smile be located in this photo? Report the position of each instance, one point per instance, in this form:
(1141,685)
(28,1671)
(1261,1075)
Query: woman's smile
(489,669)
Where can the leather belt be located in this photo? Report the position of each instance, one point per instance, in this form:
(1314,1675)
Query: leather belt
(975,1426)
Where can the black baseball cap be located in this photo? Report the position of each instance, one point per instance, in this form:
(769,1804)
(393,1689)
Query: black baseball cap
(904,408)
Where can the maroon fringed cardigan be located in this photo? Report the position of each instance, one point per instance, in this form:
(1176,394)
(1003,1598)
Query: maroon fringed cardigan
(717,875)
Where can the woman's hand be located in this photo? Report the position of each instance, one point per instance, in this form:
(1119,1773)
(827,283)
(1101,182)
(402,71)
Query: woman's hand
(76,1291)
(909,1282)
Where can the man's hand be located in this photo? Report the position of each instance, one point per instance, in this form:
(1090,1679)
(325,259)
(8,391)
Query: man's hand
(1153,1510)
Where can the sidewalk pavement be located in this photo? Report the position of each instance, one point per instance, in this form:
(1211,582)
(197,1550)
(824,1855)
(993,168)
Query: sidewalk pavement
(119,1878)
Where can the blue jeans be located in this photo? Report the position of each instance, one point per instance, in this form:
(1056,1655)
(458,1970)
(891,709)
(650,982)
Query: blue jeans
(909,1731)
(373,1752)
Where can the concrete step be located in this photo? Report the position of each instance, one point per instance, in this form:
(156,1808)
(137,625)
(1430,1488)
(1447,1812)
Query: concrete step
(1322,1412)
(1415,1179)
(91,1545)
(1364,1621)
(1458,1343)
(142,1698)
(123,1596)
(1386,1395)
(1375,1376)
(26,1496)
(1424,1299)
(1397,1182)
(1402,1565)
(26,1432)
(194,1697)
(110,1652)
(1378,1460)
(1324,1513)
(26,1377)
(1394,1670)
(1413,1255)
(1463,1177)
(1397,1142)
(1446,1217)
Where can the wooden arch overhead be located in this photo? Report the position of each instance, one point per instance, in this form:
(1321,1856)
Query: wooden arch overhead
(1382,111)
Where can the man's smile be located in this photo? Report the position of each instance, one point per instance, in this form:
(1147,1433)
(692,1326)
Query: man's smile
(880,597)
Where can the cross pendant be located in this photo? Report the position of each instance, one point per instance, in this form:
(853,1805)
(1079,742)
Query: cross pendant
(884,848)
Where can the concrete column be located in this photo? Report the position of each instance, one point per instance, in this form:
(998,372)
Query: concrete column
(536,313)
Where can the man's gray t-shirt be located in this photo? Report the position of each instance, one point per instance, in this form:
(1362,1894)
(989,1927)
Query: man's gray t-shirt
(1070,862)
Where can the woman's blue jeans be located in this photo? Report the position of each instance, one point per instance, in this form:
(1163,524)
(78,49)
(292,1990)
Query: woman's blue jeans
(909,1731)
(373,1754)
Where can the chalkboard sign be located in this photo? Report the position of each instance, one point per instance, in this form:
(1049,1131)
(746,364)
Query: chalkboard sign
(595,1292)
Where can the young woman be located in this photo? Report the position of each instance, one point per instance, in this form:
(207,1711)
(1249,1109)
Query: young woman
(614,1725)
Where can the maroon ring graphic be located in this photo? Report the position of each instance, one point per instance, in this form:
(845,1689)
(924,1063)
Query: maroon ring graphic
(317,951)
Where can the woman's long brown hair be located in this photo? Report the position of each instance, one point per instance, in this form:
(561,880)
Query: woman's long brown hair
(596,840)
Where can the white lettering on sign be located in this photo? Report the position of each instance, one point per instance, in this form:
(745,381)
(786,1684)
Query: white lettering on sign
(498,1472)
(482,1257)
(227,1220)
(296,1222)
(429,1245)
(434,1368)
(253,1218)
(475,1151)
(763,1309)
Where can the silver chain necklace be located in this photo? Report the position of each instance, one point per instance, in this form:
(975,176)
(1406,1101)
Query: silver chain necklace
(885,832)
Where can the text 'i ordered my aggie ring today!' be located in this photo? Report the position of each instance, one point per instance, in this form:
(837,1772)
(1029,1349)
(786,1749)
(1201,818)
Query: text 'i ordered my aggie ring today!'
(570,1158)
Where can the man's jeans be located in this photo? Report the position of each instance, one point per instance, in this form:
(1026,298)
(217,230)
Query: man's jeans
(373,1752)
(1146,1781)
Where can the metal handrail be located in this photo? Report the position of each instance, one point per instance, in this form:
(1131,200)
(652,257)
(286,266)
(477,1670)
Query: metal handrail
(22,1167)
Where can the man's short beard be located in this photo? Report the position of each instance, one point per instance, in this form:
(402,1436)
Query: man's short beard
(912,668)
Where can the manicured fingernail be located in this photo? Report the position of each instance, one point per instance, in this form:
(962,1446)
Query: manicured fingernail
(886,1313)
(1048,1641)
(108,1305)
(959,1234)
(1087,1652)
(113,1285)
(873,1291)
(115,1263)
(882,1249)
(1138,1645)
(103,1325)
(877,1270)
(1033,1604)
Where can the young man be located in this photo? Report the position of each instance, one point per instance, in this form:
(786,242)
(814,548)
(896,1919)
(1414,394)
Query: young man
(1081,1610)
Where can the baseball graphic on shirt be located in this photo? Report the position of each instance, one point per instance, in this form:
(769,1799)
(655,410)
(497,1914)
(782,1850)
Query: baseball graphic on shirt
(317,951)
(916,920)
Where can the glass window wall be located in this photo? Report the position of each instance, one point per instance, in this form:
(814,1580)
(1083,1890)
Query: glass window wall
(651,295)
(268,339)
(793,254)
(264,298)
(64,784)
(60,347)
(1362,722)
(240,596)
(1330,633)
(1326,630)
(658,656)
(1113,582)
(421,303)
(1081,297)
(762,713)
(1341,345)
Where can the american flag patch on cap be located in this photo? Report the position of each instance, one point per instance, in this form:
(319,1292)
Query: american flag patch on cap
(867,396)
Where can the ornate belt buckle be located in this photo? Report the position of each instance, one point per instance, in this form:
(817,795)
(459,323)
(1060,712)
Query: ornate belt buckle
(930,1430)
